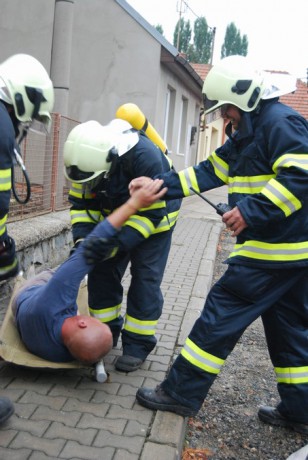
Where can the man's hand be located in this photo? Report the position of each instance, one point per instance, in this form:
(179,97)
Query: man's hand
(141,197)
(146,191)
(234,221)
(138,182)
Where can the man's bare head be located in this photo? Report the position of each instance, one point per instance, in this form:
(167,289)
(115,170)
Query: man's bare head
(87,339)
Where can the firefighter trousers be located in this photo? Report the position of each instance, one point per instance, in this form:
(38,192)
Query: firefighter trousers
(280,297)
(144,298)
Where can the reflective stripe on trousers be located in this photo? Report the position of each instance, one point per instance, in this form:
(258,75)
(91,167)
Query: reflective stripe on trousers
(241,296)
(144,298)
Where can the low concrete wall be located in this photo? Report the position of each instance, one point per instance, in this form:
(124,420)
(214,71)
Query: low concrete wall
(41,242)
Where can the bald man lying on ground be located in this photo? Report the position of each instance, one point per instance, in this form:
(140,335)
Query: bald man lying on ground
(45,307)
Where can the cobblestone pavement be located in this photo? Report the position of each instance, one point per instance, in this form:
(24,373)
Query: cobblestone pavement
(68,415)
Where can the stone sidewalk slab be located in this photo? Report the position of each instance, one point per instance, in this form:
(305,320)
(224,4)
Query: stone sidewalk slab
(66,414)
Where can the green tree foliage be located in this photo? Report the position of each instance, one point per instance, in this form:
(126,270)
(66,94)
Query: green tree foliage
(245,45)
(201,49)
(159,28)
(181,38)
(203,37)
(234,43)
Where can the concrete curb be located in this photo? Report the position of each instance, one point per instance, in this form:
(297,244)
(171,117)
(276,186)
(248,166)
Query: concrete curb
(41,242)
(166,437)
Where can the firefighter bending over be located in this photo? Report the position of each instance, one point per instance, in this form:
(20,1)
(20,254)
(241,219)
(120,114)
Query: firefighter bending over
(100,176)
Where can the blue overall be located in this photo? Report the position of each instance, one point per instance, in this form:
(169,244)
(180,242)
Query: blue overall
(144,297)
(265,166)
(280,297)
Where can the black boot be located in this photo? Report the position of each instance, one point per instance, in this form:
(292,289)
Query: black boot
(157,399)
(127,363)
(271,415)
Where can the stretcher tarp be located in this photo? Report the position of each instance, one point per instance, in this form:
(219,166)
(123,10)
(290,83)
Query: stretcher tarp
(13,350)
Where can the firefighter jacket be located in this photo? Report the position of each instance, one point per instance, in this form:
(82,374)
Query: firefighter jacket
(91,205)
(7,142)
(265,166)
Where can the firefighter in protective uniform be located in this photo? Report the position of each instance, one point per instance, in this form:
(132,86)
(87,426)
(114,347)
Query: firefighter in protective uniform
(26,94)
(100,175)
(264,163)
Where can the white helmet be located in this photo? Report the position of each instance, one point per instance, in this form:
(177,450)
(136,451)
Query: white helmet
(233,81)
(25,84)
(92,149)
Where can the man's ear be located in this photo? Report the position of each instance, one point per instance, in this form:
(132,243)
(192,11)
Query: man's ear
(81,323)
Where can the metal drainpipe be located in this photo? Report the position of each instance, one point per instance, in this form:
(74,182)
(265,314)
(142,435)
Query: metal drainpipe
(61,53)
(60,76)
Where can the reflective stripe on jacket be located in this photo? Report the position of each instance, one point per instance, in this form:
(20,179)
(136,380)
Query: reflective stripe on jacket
(265,166)
(7,143)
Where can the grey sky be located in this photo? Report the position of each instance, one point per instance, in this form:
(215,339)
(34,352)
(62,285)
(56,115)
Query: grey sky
(277,29)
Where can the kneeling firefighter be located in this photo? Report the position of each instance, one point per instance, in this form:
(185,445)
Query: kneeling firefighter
(100,161)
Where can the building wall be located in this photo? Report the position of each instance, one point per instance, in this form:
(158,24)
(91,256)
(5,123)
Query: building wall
(27,27)
(99,57)
(114,61)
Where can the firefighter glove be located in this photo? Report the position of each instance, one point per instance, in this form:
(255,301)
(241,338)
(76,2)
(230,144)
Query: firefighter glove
(100,249)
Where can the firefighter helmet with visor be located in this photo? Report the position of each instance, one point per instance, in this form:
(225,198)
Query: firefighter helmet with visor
(233,81)
(92,150)
(25,84)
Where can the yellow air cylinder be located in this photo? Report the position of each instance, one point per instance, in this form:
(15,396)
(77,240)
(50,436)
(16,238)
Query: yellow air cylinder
(130,112)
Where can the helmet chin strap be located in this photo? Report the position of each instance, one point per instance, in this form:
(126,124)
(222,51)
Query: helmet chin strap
(23,132)
(112,158)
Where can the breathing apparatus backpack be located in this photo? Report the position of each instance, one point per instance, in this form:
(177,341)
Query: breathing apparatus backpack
(132,113)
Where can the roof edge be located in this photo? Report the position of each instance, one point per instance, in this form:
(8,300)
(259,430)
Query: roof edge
(189,68)
(148,27)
